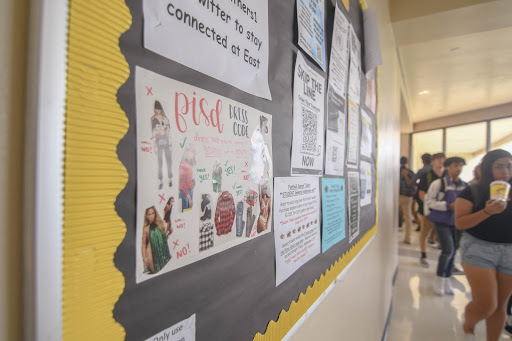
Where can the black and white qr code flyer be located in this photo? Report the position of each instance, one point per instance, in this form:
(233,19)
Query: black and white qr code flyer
(308,120)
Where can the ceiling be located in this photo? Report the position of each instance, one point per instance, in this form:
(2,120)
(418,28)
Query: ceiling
(455,55)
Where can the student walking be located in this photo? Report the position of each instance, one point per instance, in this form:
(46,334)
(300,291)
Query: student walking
(427,166)
(486,245)
(427,226)
(439,206)
(407,188)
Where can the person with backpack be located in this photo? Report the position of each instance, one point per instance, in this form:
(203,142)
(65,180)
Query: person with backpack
(486,245)
(407,189)
(439,207)
(427,226)
(427,166)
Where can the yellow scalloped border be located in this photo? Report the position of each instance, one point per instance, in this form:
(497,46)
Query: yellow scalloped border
(93,174)
(287,319)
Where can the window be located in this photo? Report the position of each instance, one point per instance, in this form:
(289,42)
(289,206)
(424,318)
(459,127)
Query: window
(501,134)
(427,142)
(469,142)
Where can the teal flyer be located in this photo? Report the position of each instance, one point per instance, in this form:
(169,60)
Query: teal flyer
(333,212)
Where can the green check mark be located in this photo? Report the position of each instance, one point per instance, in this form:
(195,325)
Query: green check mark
(183,144)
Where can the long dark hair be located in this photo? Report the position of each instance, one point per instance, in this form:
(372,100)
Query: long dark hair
(486,166)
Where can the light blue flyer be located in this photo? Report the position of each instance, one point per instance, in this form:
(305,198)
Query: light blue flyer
(333,212)
(310,18)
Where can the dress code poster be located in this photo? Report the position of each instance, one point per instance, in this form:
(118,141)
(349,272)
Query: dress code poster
(204,174)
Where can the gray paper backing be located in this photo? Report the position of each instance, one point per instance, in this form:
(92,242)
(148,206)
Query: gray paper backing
(233,292)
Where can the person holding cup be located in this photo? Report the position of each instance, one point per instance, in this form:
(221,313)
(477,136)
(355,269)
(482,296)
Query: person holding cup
(486,245)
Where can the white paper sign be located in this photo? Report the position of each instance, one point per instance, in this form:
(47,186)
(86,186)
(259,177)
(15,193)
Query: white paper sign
(227,40)
(310,18)
(336,134)
(336,97)
(297,228)
(308,120)
(182,331)
(354,82)
(204,174)
(353,205)
(366,183)
(353,134)
(339,63)
(366,134)
(371,91)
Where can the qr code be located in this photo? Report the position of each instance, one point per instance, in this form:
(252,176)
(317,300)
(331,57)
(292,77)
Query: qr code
(309,131)
(334,153)
(319,51)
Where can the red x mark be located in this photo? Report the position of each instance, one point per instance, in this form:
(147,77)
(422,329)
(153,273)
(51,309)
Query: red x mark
(246,164)
(149,91)
(175,244)
(162,198)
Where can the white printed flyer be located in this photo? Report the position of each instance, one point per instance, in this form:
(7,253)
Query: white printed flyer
(366,134)
(308,120)
(366,183)
(353,205)
(226,40)
(339,63)
(336,97)
(336,134)
(297,228)
(353,134)
(354,80)
(204,174)
(310,22)
(181,331)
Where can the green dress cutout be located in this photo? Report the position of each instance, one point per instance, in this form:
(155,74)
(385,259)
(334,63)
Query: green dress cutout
(159,247)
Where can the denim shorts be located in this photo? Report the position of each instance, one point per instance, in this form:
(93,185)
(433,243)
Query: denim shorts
(488,255)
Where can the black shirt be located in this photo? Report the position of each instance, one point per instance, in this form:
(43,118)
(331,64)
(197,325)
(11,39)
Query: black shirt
(424,185)
(497,228)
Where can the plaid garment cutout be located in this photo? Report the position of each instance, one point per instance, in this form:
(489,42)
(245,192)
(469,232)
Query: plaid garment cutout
(206,236)
(224,213)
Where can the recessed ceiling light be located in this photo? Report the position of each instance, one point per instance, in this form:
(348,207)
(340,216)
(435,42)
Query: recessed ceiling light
(453,49)
(424,92)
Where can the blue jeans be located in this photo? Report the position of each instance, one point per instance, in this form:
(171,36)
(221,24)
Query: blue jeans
(446,234)
(184,200)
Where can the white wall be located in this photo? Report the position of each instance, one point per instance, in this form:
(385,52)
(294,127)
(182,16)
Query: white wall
(358,306)
(13,32)
(405,146)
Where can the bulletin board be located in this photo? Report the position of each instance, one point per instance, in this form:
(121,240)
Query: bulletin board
(232,293)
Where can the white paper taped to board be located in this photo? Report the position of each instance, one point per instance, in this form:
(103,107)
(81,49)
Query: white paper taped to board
(182,331)
(227,40)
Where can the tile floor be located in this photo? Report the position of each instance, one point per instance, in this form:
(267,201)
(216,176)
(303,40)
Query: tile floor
(418,313)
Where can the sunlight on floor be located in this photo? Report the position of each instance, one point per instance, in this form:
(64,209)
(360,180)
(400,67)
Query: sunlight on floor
(418,313)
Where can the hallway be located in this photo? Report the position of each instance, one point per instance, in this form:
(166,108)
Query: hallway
(418,313)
